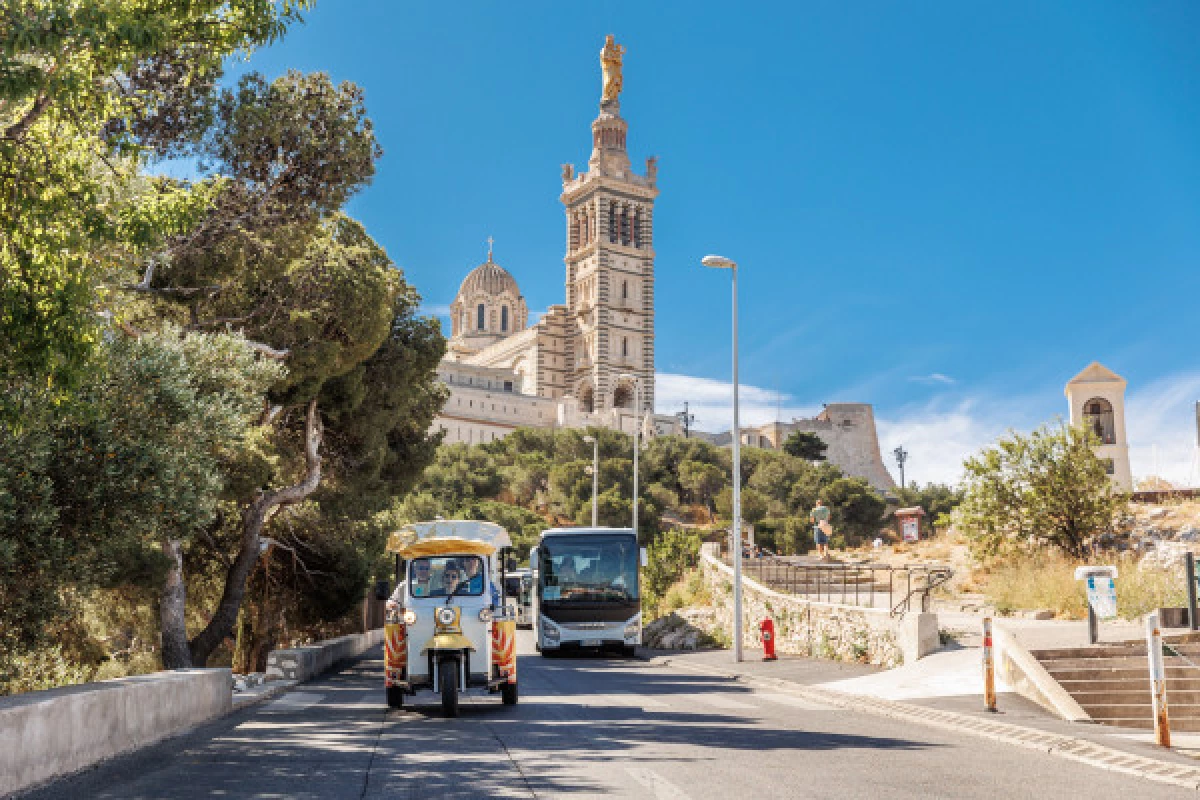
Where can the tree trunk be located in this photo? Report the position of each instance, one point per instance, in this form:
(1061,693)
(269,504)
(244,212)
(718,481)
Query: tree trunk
(254,518)
(171,606)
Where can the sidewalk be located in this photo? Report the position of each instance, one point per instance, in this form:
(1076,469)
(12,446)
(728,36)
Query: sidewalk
(945,690)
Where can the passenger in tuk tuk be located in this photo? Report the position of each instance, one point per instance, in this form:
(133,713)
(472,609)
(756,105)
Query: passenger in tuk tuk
(420,577)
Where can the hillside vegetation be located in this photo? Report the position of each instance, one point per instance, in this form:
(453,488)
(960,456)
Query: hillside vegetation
(535,478)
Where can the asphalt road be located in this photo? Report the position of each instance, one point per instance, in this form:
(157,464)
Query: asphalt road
(584,728)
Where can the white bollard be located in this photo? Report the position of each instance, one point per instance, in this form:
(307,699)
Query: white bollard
(1158,680)
(989,667)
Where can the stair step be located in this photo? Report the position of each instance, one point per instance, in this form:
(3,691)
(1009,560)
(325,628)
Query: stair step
(1132,662)
(1099,651)
(1138,683)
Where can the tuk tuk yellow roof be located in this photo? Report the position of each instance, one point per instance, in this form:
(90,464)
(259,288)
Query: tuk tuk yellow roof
(448,537)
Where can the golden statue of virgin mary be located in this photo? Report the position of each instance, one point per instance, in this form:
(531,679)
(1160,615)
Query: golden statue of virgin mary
(610,65)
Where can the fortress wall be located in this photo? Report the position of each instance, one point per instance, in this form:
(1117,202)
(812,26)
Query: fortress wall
(848,430)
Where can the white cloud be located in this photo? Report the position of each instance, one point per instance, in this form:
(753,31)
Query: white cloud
(712,401)
(934,378)
(1160,421)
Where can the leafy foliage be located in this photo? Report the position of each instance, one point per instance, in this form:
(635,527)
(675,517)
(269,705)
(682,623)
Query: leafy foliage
(1048,487)
(808,446)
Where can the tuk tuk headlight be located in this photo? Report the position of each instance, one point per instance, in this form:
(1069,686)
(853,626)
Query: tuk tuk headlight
(485,615)
(445,616)
(410,617)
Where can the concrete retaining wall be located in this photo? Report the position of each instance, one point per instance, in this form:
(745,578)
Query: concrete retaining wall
(47,734)
(302,663)
(824,630)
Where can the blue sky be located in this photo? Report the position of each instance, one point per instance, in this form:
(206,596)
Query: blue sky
(943,209)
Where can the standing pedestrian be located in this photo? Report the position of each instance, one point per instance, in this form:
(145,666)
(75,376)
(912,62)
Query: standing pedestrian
(819,517)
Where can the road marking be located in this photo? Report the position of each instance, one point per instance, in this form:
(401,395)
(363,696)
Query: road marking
(662,788)
(793,701)
(295,701)
(723,701)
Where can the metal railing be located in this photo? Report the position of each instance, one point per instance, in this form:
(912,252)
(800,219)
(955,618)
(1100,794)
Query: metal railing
(851,583)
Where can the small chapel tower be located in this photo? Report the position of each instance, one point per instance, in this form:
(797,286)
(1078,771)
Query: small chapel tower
(1096,398)
(610,261)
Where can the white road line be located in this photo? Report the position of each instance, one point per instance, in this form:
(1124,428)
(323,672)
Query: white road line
(662,788)
(722,701)
(793,701)
(295,701)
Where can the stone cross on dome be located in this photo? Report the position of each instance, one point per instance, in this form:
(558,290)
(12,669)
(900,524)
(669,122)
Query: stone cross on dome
(489,240)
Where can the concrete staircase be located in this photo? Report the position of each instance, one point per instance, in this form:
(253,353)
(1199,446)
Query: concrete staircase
(1112,682)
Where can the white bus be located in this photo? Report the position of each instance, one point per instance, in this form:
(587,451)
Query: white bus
(586,590)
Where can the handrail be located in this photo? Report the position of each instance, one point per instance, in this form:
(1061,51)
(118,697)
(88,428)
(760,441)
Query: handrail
(934,577)
(850,583)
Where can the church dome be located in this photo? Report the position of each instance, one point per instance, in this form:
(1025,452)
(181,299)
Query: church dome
(488,278)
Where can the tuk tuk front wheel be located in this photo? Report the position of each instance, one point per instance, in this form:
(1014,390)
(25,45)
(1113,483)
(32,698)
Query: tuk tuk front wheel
(395,697)
(508,694)
(448,677)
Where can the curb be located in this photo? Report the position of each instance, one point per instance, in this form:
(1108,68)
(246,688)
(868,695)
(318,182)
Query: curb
(1061,745)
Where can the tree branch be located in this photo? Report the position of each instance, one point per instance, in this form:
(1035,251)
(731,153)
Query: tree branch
(268,351)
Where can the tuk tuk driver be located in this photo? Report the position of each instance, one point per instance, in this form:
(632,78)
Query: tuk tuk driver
(451,580)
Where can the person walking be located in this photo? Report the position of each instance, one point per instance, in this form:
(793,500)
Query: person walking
(819,517)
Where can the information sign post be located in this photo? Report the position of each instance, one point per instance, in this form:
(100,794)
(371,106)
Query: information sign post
(1101,596)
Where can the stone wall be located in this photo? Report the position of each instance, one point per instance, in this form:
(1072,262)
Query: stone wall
(44,735)
(820,630)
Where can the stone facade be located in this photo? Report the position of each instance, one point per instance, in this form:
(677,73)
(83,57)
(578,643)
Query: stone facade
(1096,398)
(589,361)
(848,431)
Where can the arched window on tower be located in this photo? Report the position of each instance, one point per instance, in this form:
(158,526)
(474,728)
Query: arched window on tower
(480,317)
(504,319)
(625,347)
(1098,418)
(624,290)
(612,223)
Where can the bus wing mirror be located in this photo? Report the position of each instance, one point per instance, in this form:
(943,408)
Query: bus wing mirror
(645,558)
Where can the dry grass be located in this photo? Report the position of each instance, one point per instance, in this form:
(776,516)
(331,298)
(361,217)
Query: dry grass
(1048,582)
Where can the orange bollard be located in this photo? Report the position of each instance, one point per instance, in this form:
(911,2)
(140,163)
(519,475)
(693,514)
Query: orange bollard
(989,667)
(768,639)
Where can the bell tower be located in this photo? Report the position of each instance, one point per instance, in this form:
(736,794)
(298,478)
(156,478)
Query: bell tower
(610,261)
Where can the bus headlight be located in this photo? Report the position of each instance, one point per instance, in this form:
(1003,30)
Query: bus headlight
(549,629)
(633,628)
(410,617)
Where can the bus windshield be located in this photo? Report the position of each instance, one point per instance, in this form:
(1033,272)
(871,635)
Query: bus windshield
(586,568)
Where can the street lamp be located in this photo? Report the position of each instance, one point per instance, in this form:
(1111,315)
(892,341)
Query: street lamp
(901,456)
(637,430)
(720,262)
(595,477)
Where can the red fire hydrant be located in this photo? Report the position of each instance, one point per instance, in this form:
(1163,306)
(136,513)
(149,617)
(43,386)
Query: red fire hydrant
(768,639)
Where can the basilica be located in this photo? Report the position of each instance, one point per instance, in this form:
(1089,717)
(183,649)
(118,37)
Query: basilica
(590,360)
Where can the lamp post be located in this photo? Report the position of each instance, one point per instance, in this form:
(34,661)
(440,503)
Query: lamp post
(637,432)
(595,443)
(901,456)
(719,262)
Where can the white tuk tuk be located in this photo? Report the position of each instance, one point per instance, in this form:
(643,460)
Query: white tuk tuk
(449,630)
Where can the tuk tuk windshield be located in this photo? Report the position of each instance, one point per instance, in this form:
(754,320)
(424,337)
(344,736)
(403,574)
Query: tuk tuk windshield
(444,576)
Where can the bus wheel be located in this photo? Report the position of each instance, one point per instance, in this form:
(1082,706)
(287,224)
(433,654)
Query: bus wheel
(508,694)
(395,697)
(629,651)
(448,677)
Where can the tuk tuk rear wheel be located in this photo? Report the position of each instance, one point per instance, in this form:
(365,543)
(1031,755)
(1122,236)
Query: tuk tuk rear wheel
(395,697)
(448,677)
(508,694)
